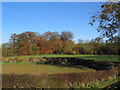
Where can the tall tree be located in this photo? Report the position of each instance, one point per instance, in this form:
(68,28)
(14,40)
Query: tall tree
(66,35)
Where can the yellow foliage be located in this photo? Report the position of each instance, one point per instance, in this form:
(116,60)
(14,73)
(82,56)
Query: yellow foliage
(73,52)
(20,58)
(5,59)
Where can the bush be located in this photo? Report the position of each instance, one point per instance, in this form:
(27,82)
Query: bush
(5,59)
(39,60)
(20,59)
(13,60)
(23,59)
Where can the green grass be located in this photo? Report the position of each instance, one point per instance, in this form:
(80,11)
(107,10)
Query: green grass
(113,58)
(57,55)
(38,69)
(101,84)
(105,83)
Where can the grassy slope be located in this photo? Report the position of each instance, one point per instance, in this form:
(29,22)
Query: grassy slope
(113,58)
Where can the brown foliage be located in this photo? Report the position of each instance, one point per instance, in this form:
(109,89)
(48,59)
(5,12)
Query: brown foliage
(86,77)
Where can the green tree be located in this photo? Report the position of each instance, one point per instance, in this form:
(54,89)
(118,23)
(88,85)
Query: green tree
(5,51)
(68,47)
(79,48)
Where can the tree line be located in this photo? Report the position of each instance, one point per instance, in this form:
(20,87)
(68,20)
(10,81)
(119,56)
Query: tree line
(32,43)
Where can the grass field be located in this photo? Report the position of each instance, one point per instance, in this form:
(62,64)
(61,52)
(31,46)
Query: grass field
(38,69)
(113,58)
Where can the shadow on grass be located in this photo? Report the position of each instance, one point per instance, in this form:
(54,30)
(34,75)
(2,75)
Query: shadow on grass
(72,62)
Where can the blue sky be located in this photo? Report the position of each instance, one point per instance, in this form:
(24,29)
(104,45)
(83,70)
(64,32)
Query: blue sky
(49,16)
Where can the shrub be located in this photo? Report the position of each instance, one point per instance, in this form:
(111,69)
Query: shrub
(20,59)
(13,60)
(39,60)
(5,59)
(23,59)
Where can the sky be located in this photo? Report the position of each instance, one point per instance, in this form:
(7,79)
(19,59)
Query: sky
(41,17)
(56,0)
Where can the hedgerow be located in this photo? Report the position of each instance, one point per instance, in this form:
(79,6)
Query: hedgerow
(68,80)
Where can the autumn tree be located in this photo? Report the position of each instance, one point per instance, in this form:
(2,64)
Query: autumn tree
(108,18)
(51,42)
(23,43)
